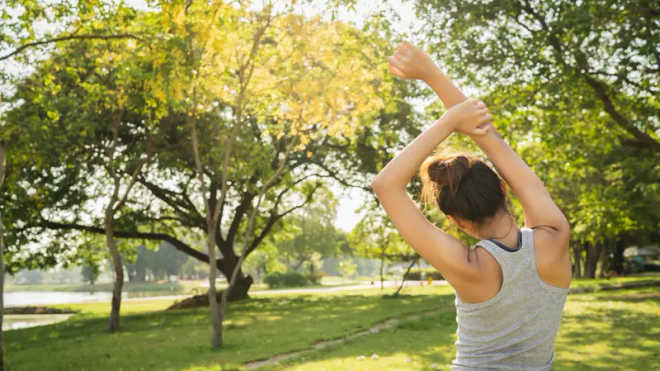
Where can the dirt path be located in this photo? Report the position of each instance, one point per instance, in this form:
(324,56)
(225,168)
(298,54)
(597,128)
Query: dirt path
(385,325)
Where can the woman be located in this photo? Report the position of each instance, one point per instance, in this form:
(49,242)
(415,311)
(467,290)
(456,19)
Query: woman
(511,286)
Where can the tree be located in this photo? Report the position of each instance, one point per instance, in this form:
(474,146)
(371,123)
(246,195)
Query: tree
(90,272)
(573,85)
(137,264)
(310,235)
(17,35)
(276,60)
(374,237)
(167,261)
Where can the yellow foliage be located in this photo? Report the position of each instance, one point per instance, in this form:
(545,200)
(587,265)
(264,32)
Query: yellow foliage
(306,76)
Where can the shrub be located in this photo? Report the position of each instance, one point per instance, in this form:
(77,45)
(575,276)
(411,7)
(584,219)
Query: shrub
(434,273)
(418,274)
(285,279)
(315,278)
(415,274)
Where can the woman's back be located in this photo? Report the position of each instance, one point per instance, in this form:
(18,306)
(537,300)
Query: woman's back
(516,328)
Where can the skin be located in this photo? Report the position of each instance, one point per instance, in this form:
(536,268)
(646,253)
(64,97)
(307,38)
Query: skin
(475,276)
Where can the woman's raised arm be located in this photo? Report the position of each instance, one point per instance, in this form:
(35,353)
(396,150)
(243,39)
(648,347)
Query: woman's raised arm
(541,212)
(443,251)
(539,208)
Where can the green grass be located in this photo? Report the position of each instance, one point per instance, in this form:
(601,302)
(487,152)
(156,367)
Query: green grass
(603,330)
(589,282)
(257,328)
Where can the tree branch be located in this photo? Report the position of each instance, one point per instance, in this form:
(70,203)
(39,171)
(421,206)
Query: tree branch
(179,206)
(179,245)
(69,37)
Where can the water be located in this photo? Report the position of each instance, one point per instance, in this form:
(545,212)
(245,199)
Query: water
(24,298)
(16,321)
(38,298)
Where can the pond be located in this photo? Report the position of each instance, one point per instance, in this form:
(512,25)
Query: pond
(40,298)
(16,321)
(24,298)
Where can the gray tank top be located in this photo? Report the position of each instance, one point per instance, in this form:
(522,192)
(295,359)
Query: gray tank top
(515,329)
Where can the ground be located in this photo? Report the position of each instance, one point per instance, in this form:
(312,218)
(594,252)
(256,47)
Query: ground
(603,330)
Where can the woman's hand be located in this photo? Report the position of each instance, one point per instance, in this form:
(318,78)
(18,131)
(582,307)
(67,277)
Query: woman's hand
(408,62)
(470,117)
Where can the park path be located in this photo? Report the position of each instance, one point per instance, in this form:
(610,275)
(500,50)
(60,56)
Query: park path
(385,325)
(362,286)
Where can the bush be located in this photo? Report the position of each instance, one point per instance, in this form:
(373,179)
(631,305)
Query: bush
(415,274)
(418,274)
(285,279)
(434,273)
(315,278)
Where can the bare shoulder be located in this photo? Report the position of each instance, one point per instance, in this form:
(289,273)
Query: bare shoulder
(490,278)
(552,253)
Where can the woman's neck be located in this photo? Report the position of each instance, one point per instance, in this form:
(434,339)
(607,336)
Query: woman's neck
(502,228)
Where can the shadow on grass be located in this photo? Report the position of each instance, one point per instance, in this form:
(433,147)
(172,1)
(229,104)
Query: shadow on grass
(615,331)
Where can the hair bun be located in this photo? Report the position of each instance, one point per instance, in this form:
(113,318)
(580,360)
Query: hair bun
(438,172)
(462,186)
(449,172)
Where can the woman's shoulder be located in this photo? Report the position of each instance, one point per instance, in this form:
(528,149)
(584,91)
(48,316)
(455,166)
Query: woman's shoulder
(551,250)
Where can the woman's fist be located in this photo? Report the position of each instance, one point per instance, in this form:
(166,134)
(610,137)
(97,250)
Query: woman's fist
(470,117)
(408,62)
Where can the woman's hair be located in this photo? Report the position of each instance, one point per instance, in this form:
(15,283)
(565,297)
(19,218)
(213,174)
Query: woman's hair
(462,186)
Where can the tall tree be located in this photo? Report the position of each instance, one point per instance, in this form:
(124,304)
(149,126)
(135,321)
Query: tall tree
(262,66)
(310,235)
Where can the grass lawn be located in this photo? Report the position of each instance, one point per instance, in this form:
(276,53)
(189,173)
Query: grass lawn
(616,330)
(603,330)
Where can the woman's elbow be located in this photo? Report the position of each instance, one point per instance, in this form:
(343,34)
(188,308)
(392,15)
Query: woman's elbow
(377,184)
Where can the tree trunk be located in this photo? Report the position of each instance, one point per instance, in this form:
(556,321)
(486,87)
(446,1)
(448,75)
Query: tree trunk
(131,274)
(119,271)
(140,274)
(2,262)
(606,259)
(382,267)
(617,257)
(216,318)
(594,251)
(243,281)
(241,287)
(403,279)
(577,258)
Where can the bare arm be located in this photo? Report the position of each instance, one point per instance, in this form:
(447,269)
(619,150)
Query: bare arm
(443,251)
(539,208)
(428,71)
(552,229)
